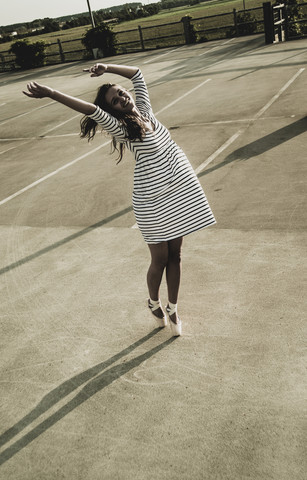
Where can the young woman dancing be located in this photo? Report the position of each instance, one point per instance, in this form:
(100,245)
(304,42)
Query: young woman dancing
(168,200)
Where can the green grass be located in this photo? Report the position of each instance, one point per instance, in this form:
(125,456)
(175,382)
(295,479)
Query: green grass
(213,7)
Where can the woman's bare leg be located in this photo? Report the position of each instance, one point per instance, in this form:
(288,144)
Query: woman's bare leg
(159,260)
(173,271)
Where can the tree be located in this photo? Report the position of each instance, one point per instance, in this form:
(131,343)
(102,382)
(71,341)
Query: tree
(50,25)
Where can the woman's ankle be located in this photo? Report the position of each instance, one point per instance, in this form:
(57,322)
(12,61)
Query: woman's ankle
(172,308)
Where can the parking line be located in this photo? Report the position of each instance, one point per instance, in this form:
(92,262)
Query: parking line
(15,146)
(26,113)
(59,125)
(51,174)
(214,48)
(183,96)
(243,129)
(158,56)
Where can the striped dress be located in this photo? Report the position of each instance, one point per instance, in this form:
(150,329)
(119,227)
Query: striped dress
(168,200)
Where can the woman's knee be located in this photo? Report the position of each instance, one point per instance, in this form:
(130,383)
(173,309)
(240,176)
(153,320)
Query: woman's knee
(159,255)
(174,250)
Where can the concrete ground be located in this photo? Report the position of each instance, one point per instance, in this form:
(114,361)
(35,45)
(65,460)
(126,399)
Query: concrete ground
(91,390)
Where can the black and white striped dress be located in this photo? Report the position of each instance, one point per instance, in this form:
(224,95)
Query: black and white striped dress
(168,200)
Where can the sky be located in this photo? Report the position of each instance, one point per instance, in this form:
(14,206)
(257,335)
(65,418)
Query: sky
(19,11)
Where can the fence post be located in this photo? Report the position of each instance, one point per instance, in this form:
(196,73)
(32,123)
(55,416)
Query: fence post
(186,28)
(235,21)
(280,26)
(141,37)
(268,22)
(61,51)
(286,23)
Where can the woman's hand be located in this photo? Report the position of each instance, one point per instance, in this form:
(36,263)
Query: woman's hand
(35,90)
(97,69)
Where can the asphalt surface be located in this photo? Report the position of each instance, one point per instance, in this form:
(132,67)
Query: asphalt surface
(91,390)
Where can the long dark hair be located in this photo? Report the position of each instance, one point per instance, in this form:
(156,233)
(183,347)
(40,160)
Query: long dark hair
(134,125)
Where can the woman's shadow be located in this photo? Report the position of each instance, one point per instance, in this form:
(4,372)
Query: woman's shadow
(94,381)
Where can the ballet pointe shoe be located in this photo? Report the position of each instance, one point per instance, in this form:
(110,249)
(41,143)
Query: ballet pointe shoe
(153,306)
(175,327)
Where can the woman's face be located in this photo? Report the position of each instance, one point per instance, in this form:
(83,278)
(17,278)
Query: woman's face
(120,99)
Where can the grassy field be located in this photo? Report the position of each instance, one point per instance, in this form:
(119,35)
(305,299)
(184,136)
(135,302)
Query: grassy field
(213,7)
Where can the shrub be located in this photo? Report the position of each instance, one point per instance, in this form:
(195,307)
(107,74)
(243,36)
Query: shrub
(294,15)
(101,37)
(28,55)
(246,23)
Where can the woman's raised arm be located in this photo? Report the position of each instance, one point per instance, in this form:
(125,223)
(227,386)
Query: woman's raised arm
(101,68)
(36,90)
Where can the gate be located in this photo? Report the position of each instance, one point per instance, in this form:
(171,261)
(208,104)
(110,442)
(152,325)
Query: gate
(274,22)
(284,22)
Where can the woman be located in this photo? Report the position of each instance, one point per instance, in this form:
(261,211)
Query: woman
(168,200)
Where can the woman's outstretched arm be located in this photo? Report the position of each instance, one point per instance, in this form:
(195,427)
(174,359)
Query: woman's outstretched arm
(36,90)
(101,68)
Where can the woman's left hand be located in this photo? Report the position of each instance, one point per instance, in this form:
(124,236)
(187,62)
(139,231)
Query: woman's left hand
(36,90)
(97,69)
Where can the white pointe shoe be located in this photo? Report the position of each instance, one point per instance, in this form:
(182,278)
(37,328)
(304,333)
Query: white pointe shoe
(176,327)
(153,306)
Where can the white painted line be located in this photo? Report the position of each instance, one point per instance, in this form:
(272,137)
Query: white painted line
(62,135)
(16,139)
(59,125)
(220,122)
(183,96)
(26,113)
(51,174)
(36,138)
(276,97)
(214,48)
(159,56)
(219,150)
(204,67)
(242,130)
(15,146)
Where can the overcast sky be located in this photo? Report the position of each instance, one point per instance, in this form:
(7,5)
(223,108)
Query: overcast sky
(18,11)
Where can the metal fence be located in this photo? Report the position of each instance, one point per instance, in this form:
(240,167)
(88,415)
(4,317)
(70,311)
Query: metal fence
(188,30)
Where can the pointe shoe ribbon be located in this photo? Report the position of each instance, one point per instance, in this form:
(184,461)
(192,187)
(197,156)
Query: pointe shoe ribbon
(153,305)
(176,327)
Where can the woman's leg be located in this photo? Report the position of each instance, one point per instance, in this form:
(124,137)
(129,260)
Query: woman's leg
(173,271)
(173,268)
(159,259)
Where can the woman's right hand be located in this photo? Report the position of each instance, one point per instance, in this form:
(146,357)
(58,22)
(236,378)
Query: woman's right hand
(97,69)
(36,90)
